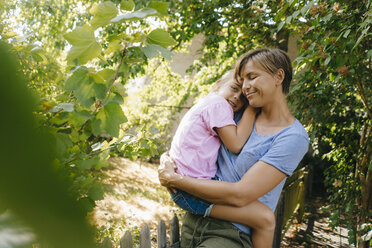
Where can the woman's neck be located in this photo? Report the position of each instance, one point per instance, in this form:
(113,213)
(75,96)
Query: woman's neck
(274,117)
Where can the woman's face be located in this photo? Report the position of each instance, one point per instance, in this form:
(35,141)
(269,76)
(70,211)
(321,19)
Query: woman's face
(258,86)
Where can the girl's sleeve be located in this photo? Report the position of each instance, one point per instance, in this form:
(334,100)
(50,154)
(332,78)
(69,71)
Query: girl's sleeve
(287,151)
(218,114)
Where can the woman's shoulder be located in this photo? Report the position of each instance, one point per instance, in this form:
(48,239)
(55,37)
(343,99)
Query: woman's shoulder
(294,133)
(298,129)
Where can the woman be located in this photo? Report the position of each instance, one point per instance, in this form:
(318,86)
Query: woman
(277,144)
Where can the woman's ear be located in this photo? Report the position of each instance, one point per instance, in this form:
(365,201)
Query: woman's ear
(279,76)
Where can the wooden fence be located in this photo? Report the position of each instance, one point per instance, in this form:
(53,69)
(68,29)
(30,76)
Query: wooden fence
(145,240)
(291,205)
(292,202)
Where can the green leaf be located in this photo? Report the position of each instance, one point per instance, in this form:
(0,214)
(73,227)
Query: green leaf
(102,163)
(113,46)
(100,90)
(306,8)
(60,119)
(108,120)
(295,14)
(160,37)
(140,14)
(87,204)
(103,13)
(364,33)
(280,26)
(340,60)
(288,19)
(124,68)
(369,53)
(104,76)
(152,50)
(331,77)
(161,7)
(68,107)
(327,17)
(346,34)
(281,12)
(77,119)
(292,2)
(116,97)
(127,5)
(353,60)
(80,36)
(77,76)
(83,89)
(327,60)
(63,142)
(87,164)
(84,45)
(96,192)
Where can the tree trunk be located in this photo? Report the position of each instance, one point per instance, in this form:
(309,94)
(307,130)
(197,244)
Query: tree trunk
(364,174)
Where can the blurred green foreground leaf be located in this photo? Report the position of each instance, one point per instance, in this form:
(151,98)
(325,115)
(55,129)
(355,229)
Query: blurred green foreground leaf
(29,184)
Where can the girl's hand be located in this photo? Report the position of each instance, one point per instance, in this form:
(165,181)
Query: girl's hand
(166,170)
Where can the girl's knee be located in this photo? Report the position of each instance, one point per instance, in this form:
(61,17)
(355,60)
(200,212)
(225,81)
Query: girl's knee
(268,220)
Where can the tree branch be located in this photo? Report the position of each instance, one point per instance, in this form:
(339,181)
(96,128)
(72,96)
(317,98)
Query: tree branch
(117,71)
(99,104)
(361,92)
(169,106)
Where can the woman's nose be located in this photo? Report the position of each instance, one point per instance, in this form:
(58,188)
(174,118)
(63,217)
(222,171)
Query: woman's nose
(246,85)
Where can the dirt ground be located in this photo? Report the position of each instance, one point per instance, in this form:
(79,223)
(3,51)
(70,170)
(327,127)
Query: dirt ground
(134,198)
(314,230)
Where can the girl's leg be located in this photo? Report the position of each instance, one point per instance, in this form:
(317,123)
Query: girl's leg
(256,215)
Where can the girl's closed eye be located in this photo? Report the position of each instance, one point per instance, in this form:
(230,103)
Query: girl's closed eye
(234,88)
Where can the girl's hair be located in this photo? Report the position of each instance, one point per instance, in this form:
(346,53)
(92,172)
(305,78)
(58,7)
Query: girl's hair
(228,75)
(271,60)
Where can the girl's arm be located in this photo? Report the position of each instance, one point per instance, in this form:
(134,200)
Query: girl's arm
(234,137)
(257,181)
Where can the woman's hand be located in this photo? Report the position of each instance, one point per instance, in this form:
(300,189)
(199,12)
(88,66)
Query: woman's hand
(166,170)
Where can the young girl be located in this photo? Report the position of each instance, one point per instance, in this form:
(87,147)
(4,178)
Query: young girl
(195,146)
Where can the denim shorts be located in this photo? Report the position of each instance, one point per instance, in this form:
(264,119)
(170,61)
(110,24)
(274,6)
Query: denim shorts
(191,203)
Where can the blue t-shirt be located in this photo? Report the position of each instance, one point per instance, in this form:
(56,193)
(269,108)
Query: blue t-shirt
(284,150)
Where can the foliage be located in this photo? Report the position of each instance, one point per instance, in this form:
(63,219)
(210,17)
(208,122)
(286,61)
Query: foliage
(30,184)
(332,94)
(82,112)
(335,60)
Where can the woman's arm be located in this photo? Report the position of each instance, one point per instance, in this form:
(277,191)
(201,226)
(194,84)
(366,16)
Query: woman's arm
(234,137)
(257,181)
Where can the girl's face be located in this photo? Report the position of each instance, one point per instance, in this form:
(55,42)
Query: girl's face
(259,86)
(232,92)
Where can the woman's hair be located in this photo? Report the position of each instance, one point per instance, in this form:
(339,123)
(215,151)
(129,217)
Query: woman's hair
(271,60)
